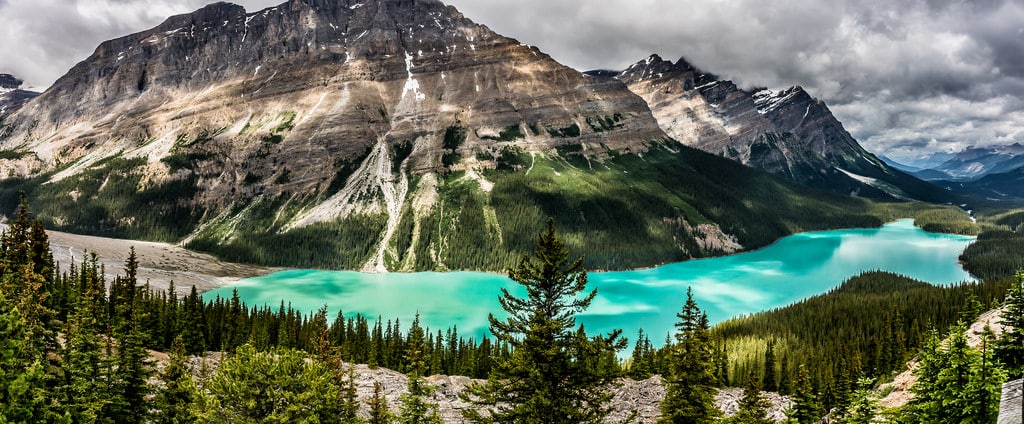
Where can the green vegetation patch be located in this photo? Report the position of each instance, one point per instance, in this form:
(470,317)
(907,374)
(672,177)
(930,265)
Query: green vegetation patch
(185,160)
(947,220)
(346,243)
(571,131)
(286,123)
(399,153)
(454,136)
(14,154)
(604,123)
(512,158)
(110,200)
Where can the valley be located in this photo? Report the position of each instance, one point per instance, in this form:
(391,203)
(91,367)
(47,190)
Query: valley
(291,208)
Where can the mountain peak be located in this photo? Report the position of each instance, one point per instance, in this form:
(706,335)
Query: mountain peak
(9,82)
(786,132)
(211,13)
(12,96)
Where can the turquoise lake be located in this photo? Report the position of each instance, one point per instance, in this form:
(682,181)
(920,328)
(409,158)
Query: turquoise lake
(794,268)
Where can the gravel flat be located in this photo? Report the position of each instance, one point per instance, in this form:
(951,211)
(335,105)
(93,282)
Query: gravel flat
(159,263)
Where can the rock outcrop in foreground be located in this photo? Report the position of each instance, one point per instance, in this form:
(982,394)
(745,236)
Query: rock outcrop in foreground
(633,399)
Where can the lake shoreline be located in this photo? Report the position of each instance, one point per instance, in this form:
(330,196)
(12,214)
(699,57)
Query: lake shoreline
(161,263)
(795,268)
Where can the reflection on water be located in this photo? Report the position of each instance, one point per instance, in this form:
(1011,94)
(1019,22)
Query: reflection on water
(792,269)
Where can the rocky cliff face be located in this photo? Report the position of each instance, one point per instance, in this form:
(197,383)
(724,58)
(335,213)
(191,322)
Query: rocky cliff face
(292,100)
(375,135)
(12,96)
(788,133)
(326,81)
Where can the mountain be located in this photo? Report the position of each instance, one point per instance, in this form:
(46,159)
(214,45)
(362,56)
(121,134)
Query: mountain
(977,162)
(378,135)
(12,96)
(896,164)
(932,175)
(927,161)
(995,186)
(788,133)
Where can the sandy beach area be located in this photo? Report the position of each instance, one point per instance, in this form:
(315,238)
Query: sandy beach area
(159,263)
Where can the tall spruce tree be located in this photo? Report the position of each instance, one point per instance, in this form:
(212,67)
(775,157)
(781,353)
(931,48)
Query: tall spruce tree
(415,408)
(22,372)
(1010,346)
(545,380)
(691,384)
(84,393)
(955,383)
(863,406)
(378,403)
(805,409)
(770,381)
(172,401)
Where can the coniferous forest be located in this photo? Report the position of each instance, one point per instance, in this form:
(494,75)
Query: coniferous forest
(77,348)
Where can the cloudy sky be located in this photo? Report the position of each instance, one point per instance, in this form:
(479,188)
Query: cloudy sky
(906,77)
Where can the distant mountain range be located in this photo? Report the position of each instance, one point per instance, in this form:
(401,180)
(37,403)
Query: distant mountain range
(990,172)
(399,135)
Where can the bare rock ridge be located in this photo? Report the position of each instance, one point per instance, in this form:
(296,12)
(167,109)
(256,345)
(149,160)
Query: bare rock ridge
(381,135)
(788,133)
(292,100)
(12,96)
(353,71)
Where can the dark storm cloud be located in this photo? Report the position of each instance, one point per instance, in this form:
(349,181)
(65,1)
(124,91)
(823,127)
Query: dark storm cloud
(904,77)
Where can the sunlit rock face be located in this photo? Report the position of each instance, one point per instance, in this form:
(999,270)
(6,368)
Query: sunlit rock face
(788,133)
(312,84)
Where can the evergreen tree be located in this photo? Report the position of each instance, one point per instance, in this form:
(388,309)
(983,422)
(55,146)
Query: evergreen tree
(379,411)
(349,406)
(863,407)
(784,385)
(1010,346)
(279,386)
(805,408)
(415,408)
(84,392)
(129,380)
(545,381)
(753,405)
(690,387)
(132,369)
(191,325)
(172,402)
(769,382)
(640,361)
(22,373)
(955,383)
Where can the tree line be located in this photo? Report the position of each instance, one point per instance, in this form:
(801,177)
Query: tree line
(73,348)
